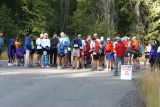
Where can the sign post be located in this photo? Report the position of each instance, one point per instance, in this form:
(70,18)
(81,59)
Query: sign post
(126,72)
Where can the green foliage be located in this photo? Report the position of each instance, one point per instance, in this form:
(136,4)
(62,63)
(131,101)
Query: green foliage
(7,24)
(153,19)
(105,17)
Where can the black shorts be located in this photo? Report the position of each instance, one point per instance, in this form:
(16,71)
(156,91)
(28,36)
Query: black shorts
(147,56)
(102,54)
(39,51)
(32,51)
(135,56)
(61,55)
(96,57)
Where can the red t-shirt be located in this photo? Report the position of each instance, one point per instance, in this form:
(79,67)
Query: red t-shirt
(96,47)
(120,49)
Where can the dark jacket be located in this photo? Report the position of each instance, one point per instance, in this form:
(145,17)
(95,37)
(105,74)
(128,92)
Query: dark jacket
(54,43)
(27,43)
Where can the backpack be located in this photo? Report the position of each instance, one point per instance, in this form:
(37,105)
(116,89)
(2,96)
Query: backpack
(1,42)
(140,49)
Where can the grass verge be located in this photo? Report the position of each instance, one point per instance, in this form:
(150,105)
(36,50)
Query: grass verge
(149,85)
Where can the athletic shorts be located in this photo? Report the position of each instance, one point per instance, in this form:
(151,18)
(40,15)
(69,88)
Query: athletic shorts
(39,51)
(81,53)
(96,57)
(135,55)
(61,55)
(147,56)
(76,52)
(127,54)
(102,54)
(109,56)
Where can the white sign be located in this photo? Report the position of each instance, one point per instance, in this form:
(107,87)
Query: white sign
(126,72)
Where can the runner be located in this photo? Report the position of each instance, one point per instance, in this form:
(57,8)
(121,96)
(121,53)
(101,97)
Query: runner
(120,51)
(147,51)
(39,49)
(109,54)
(96,54)
(11,52)
(102,55)
(27,47)
(135,46)
(53,50)
(46,48)
(127,44)
(76,44)
(1,43)
(60,49)
(66,41)
(87,54)
(32,51)
(16,43)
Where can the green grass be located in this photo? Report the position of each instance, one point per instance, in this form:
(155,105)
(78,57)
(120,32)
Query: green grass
(149,85)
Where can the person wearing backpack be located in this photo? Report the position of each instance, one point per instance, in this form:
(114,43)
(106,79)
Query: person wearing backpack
(60,50)
(76,44)
(53,50)
(1,43)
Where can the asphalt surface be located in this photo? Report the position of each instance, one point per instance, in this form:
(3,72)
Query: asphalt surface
(37,87)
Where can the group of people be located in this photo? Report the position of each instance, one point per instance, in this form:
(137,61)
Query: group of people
(81,52)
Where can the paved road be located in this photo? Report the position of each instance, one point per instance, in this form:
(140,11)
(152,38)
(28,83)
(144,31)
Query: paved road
(36,87)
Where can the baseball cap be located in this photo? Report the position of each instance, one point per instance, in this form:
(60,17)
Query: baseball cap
(108,39)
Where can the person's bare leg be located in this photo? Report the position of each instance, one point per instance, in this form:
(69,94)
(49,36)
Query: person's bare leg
(77,60)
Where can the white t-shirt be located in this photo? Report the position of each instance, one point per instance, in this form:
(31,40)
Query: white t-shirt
(158,50)
(39,43)
(148,49)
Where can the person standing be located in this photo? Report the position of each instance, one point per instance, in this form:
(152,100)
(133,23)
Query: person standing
(53,50)
(96,54)
(66,41)
(147,51)
(16,43)
(109,54)
(82,48)
(102,55)
(39,49)
(135,47)
(120,52)
(1,43)
(76,44)
(127,44)
(32,51)
(27,47)
(46,48)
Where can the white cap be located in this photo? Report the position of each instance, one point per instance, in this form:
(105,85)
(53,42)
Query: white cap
(134,37)
(79,35)
(95,34)
(41,35)
(102,38)
(108,39)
